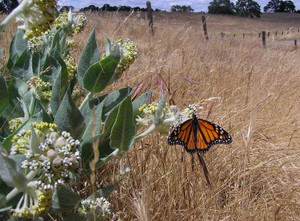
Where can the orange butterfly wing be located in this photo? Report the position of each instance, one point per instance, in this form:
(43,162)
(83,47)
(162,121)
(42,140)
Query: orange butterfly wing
(198,135)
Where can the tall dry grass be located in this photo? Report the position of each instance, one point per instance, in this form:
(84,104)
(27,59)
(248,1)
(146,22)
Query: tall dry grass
(250,91)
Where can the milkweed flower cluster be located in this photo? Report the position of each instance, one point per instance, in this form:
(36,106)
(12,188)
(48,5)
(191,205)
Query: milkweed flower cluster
(169,115)
(33,202)
(147,113)
(99,207)
(68,21)
(71,66)
(129,52)
(36,44)
(35,16)
(14,124)
(42,88)
(56,154)
(74,25)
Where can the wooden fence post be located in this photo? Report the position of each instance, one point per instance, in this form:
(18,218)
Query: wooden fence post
(259,34)
(149,16)
(264,38)
(204,27)
(243,35)
(295,44)
(275,33)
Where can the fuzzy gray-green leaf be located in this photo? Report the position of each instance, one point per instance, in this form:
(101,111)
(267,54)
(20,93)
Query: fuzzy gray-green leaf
(89,56)
(64,199)
(69,118)
(141,100)
(4,99)
(22,67)
(98,76)
(123,130)
(9,173)
(34,142)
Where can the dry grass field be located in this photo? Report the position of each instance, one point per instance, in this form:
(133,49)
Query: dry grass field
(251,91)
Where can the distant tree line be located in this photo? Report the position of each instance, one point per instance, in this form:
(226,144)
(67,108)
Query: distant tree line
(246,8)
(181,8)
(108,7)
(249,8)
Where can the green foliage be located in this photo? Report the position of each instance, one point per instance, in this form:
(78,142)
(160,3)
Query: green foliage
(99,74)
(280,6)
(66,8)
(9,172)
(64,199)
(221,7)
(39,134)
(181,8)
(124,129)
(248,8)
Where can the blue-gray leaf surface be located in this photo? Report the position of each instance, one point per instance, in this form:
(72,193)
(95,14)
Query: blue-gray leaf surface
(89,56)
(123,130)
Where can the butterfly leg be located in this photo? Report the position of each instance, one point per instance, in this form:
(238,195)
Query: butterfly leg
(204,168)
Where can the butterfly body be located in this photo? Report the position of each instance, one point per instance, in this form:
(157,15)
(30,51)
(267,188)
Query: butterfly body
(198,135)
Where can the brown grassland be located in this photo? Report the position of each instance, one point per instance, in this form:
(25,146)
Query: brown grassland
(251,91)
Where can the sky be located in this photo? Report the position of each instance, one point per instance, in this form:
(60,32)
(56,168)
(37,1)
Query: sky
(197,5)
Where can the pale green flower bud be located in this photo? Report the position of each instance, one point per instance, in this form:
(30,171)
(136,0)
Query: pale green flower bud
(57,162)
(51,154)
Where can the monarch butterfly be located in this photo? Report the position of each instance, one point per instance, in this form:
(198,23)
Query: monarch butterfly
(198,135)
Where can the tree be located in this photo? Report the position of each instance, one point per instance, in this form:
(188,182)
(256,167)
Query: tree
(107,7)
(247,8)
(280,6)
(91,8)
(66,8)
(6,6)
(124,8)
(287,6)
(221,7)
(181,8)
(136,9)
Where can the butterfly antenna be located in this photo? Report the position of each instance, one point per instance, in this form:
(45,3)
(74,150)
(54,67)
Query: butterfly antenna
(204,168)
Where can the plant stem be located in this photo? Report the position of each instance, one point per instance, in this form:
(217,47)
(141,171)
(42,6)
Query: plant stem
(86,99)
(15,191)
(152,127)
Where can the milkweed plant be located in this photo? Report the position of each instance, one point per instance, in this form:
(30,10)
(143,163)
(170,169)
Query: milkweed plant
(46,133)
